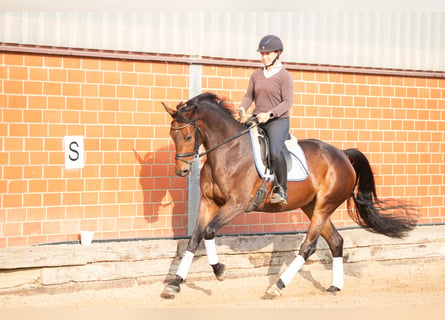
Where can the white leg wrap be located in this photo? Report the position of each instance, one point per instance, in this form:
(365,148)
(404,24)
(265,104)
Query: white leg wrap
(292,270)
(337,270)
(212,256)
(184,266)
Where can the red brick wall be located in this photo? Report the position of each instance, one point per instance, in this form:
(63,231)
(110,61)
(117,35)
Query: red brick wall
(128,189)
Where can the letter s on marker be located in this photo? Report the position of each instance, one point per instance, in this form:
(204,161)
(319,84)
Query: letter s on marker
(76,156)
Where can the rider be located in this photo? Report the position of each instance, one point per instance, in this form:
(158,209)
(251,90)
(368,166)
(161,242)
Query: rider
(272,90)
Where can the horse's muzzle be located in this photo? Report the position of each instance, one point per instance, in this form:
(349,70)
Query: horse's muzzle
(184,172)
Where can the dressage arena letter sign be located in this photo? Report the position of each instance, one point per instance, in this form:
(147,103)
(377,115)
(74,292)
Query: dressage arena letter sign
(74,152)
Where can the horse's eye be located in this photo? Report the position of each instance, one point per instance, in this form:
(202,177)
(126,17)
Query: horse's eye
(188,138)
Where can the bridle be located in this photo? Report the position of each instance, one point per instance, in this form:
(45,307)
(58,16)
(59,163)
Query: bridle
(195,153)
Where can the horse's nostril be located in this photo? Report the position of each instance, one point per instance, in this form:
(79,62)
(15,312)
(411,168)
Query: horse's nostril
(182,173)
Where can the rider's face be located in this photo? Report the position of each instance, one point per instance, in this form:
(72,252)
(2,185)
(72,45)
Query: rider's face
(268,57)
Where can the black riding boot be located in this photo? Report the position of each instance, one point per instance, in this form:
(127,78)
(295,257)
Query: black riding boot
(279,192)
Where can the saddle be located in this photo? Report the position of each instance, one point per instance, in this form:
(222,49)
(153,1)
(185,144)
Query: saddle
(297,169)
(263,140)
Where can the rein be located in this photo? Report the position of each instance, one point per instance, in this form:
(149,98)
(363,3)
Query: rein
(198,133)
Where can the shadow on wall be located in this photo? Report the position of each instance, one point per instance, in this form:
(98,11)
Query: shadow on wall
(164,203)
(164,200)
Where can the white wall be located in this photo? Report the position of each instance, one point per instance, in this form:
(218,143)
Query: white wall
(399,40)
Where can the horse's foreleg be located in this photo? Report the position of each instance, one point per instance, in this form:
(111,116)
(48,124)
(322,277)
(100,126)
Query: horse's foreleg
(207,210)
(174,287)
(219,269)
(223,216)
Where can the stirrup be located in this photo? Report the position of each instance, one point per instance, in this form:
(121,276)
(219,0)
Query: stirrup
(278,195)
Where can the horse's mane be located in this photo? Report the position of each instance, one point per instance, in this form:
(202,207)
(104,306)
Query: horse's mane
(212,99)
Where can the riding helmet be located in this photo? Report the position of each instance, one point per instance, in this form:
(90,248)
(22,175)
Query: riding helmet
(270,43)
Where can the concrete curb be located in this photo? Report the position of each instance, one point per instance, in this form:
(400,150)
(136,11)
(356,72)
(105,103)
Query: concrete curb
(127,263)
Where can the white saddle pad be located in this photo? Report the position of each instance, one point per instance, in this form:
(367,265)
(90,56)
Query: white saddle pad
(299,169)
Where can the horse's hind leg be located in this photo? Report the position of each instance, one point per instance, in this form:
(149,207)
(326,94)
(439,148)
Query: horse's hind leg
(335,243)
(307,248)
(319,212)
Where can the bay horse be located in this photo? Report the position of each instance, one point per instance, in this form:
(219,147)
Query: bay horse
(229,180)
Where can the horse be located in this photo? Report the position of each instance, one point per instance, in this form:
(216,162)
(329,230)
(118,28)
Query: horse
(229,181)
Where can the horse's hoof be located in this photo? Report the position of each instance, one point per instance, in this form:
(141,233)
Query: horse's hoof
(272,292)
(222,273)
(170,291)
(333,289)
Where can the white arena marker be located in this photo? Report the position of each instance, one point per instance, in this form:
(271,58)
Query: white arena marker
(74,152)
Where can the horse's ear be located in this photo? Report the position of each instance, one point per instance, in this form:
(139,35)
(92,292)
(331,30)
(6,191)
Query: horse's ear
(171,111)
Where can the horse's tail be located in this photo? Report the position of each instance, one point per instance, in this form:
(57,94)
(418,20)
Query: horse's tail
(390,217)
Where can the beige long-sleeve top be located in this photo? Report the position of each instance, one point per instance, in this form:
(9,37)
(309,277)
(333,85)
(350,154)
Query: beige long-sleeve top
(274,94)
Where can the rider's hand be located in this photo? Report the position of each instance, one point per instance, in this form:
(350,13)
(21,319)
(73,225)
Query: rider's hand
(263,117)
(241,115)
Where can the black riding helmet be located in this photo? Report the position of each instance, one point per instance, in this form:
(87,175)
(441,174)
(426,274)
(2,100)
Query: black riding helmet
(270,43)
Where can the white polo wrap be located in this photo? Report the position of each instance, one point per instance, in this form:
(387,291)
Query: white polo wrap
(337,271)
(212,256)
(292,270)
(184,266)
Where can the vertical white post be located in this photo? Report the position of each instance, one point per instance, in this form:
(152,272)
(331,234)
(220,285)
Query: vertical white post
(194,190)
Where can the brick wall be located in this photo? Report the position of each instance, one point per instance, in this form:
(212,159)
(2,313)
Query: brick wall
(128,189)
